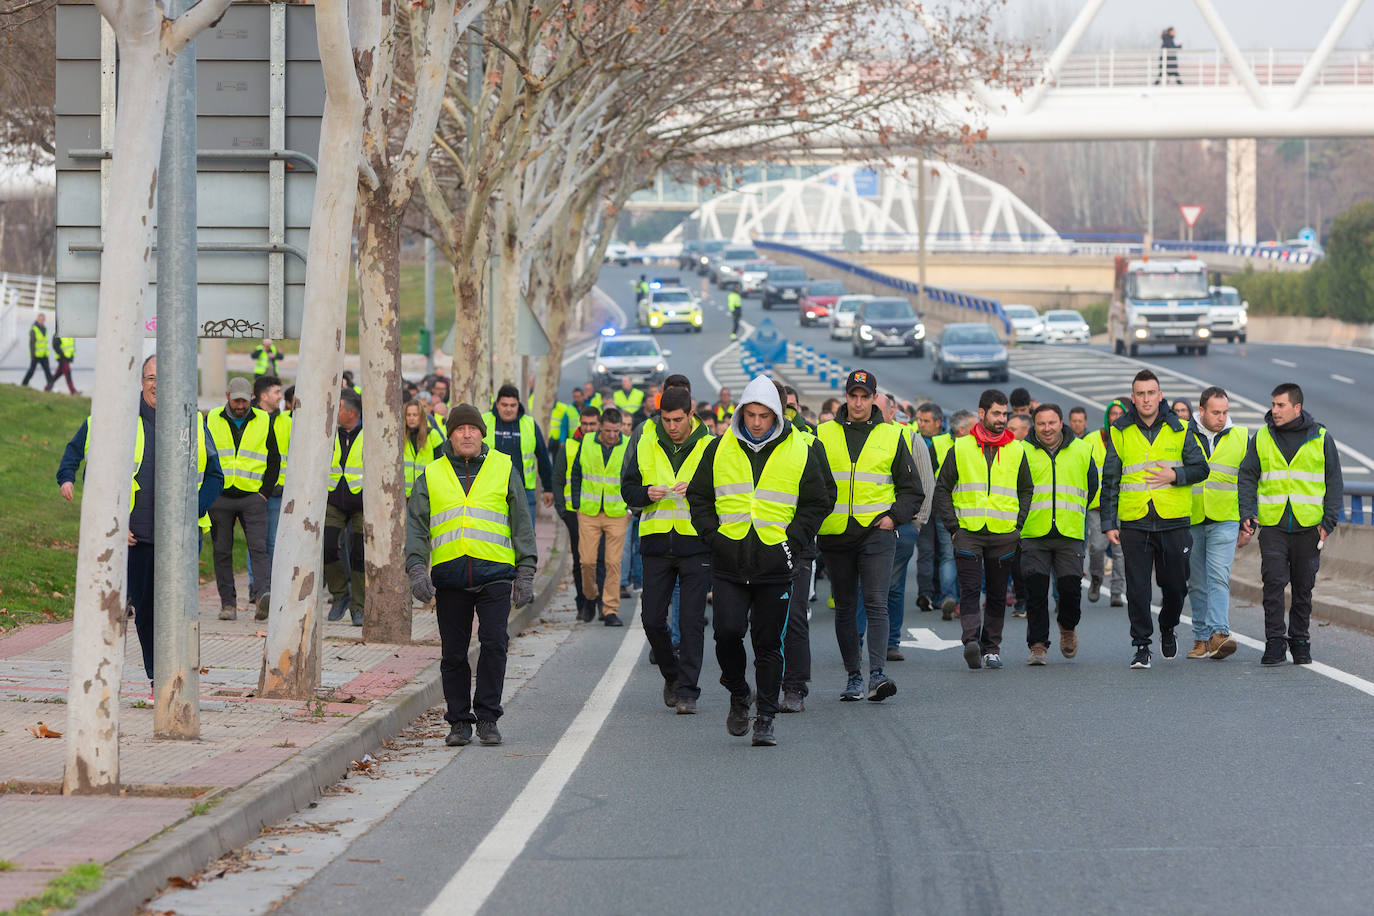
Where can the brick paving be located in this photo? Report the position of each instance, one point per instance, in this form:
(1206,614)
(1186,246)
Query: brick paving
(242,736)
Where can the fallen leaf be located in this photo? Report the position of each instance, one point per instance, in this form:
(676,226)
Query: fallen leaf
(178,881)
(42,731)
(262,633)
(204,670)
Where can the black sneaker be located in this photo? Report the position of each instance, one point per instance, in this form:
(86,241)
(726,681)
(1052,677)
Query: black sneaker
(737,719)
(687,706)
(653,659)
(1275,652)
(337,608)
(487,733)
(612,620)
(792,701)
(763,732)
(1117,601)
(973,654)
(625,591)
(1142,657)
(459,735)
(356,617)
(923,602)
(670,694)
(1168,643)
(1301,650)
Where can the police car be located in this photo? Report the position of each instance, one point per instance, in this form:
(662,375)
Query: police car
(669,307)
(634,356)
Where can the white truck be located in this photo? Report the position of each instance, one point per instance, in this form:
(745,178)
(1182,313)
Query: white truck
(1160,302)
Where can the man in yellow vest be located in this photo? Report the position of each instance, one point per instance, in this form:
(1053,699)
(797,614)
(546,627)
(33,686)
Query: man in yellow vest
(654,479)
(512,430)
(66,352)
(344,512)
(139,567)
(936,575)
(1097,541)
(982,495)
(628,399)
(38,351)
(1215,524)
(601,515)
(248,453)
(1291,488)
(879,491)
(268,396)
(468,519)
(1065,481)
(589,421)
(265,358)
(564,420)
(758,497)
(734,302)
(1147,503)
(724,406)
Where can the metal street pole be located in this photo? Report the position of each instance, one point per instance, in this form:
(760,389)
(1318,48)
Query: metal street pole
(176,633)
(1149,194)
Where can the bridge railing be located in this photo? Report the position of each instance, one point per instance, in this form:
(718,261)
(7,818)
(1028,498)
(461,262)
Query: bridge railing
(1263,252)
(1115,69)
(21,298)
(961,243)
(979,307)
(1358,508)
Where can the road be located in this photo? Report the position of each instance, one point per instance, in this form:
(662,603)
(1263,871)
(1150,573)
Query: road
(1083,786)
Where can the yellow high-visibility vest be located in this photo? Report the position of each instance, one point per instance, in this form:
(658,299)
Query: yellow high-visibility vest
(201,457)
(475,523)
(1139,457)
(416,462)
(669,513)
(1301,483)
(1061,490)
(628,402)
(1099,458)
(281,431)
(865,487)
(984,500)
(352,471)
(1216,499)
(766,509)
(942,443)
(601,479)
(244,466)
(527,444)
(40,341)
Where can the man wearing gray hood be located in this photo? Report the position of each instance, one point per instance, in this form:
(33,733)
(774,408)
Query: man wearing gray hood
(757,499)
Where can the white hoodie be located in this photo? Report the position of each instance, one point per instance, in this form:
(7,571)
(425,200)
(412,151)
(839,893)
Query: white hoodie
(759,391)
(1210,436)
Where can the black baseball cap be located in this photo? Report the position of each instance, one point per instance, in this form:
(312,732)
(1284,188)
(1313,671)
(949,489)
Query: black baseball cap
(861,378)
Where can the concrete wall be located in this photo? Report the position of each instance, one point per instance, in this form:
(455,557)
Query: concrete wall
(1045,281)
(1301,330)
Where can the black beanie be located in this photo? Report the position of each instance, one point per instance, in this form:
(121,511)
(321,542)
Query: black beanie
(464,415)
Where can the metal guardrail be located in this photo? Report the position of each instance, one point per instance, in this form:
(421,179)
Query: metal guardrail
(1262,252)
(1358,508)
(1115,69)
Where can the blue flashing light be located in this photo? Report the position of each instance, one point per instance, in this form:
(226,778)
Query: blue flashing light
(608,332)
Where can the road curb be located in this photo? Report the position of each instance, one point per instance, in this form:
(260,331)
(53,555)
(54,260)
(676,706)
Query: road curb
(191,844)
(1323,608)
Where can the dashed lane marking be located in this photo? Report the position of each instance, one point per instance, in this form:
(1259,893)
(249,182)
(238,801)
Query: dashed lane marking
(1283,362)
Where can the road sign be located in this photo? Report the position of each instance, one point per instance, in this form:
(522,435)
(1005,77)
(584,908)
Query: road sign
(1307,234)
(1190,213)
(260,96)
(852,241)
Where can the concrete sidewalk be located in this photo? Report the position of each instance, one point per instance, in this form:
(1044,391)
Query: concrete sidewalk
(185,803)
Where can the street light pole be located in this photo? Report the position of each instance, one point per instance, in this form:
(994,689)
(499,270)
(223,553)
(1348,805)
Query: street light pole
(176,628)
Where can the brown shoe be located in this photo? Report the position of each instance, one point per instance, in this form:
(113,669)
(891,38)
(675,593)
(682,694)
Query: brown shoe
(1037,654)
(1199,649)
(228,612)
(1068,643)
(1220,645)
(947,609)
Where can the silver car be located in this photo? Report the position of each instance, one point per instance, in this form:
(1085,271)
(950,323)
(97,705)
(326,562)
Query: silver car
(842,315)
(1066,326)
(1026,322)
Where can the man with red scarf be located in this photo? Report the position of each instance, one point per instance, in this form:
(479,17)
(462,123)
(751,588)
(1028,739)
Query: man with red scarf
(982,496)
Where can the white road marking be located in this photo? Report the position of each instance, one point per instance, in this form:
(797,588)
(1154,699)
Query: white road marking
(706,368)
(578,354)
(925,638)
(1342,378)
(472,885)
(1336,674)
(1283,362)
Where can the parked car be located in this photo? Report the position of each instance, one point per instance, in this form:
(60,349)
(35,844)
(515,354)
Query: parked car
(752,277)
(1230,314)
(636,356)
(842,315)
(969,351)
(820,297)
(729,265)
(1026,322)
(888,323)
(1066,326)
(668,307)
(784,285)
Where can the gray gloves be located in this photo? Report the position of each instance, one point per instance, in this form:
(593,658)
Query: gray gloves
(522,593)
(420,586)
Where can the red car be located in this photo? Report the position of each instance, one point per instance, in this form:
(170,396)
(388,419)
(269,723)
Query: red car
(819,299)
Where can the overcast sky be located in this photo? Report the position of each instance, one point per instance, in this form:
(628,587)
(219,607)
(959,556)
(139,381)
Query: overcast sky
(1284,24)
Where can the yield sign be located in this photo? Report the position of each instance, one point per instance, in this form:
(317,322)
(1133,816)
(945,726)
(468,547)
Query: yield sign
(1190,213)
(924,638)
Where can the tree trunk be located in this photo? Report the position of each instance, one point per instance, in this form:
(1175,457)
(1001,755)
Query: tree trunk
(291,660)
(505,363)
(471,372)
(98,615)
(387,616)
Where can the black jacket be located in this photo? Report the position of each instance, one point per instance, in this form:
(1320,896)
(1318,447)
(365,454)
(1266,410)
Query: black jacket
(1033,442)
(949,478)
(750,561)
(908,485)
(1194,470)
(1289,438)
(341,497)
(467,572)
(636,493)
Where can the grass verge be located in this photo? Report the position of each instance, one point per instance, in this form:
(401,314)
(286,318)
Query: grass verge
(61,892)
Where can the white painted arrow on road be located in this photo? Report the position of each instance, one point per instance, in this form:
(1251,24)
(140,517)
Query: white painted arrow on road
(925,638)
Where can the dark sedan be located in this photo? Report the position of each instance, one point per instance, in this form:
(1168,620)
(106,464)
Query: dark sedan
(784,285)
(888,323)
(969,351)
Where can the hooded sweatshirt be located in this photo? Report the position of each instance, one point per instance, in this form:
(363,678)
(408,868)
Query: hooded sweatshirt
(1289,438)
(507,439)
(750,561)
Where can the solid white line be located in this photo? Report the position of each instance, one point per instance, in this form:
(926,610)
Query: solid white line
(1342,378)
(1336,674)
(474,883)
(1283,362)
(745,330)
(578,354)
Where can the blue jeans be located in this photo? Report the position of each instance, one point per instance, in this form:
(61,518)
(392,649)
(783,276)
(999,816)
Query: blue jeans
(273,515)
(896,590)
(673,627)
(631,566)
(949,573)
(1209,580)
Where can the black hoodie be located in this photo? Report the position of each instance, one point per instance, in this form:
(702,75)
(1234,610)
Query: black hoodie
(1193,470)
(1033,441)
(1289,438)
